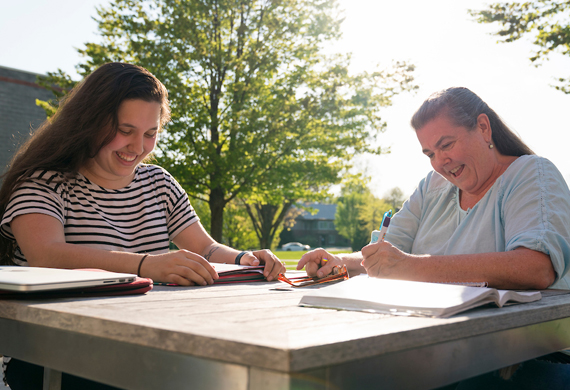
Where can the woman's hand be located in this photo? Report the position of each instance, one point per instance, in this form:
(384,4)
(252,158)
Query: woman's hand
(319,262)
(383,260)
(181,267)
(273,266)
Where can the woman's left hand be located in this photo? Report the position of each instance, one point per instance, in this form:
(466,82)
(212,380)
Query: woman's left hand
(384,260)
(273,266)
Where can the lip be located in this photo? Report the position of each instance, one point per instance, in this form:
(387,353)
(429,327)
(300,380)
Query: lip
(458,172)
(123,161)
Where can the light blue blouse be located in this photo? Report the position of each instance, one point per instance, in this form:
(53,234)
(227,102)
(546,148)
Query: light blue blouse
(528,206)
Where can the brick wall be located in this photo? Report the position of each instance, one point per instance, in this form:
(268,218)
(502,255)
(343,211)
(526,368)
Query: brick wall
(18,111)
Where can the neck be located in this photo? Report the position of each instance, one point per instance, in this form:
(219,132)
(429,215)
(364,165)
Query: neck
(468,200)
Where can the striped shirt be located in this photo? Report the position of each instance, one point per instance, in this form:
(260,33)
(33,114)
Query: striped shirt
(142,217)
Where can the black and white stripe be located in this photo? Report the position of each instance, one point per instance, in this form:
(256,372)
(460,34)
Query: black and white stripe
(142,217)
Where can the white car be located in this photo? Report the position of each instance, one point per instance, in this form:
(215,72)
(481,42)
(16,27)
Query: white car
(295,246)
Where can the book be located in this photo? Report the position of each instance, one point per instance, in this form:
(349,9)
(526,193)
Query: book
(400,297)
(231,273)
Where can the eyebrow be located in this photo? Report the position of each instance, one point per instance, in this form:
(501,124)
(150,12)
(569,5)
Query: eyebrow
(438,143)
(134,127)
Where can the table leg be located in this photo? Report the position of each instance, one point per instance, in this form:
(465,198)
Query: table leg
(52,379)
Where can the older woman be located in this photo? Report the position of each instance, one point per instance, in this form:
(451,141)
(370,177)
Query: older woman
(491,211)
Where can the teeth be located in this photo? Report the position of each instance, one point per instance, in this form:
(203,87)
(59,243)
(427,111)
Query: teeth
(126,157)
(454,169)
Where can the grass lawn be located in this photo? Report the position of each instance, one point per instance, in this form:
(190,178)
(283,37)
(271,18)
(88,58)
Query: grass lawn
(291,258)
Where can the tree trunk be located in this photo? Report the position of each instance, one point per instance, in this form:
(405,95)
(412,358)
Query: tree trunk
(217,204)
(265,222)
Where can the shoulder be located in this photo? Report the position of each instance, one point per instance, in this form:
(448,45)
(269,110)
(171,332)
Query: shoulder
(532,167)
(435,183)
(149,175)
(46,180)
(153,173)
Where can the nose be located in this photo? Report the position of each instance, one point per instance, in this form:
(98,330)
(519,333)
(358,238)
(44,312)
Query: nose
(441,159)
(137,144)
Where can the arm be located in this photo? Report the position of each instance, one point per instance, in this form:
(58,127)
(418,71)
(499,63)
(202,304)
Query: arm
(41,238)
(195,239)
(521,268)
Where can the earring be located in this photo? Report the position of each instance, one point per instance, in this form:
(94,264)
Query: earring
(491,146)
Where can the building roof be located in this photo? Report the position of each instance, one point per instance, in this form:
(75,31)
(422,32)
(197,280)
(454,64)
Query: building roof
(325,212)
(18,110)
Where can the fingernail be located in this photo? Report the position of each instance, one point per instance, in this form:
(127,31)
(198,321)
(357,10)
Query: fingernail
(319,274)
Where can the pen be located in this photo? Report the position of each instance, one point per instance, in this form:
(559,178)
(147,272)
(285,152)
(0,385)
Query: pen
(380,234)
(385,224)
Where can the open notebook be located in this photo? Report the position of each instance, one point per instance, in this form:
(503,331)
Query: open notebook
(35,279)
(401,297)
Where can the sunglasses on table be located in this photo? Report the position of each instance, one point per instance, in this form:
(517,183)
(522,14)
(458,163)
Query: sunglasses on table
(339,273)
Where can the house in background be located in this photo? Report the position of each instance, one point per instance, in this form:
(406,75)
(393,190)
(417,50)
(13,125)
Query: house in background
(316,230)
(18,110)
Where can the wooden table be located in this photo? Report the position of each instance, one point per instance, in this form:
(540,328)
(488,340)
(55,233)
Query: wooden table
(254,336)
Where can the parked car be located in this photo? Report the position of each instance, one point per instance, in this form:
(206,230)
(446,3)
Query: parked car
(295,246)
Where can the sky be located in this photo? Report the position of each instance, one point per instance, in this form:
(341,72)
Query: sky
(439,37)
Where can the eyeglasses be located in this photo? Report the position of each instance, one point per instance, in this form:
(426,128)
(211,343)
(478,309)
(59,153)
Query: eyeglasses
(339,273)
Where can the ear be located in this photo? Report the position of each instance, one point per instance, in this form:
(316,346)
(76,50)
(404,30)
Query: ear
(484,126)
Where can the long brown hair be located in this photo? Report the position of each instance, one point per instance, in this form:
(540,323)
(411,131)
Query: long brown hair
(463,107)
(85,122)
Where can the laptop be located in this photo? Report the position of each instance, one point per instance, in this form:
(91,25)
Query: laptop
(30,279)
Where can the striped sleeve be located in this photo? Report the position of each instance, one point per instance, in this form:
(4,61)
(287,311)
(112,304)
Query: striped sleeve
(180,213)
(41,195)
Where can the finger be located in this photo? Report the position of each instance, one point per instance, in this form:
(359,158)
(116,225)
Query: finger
(273,266)
(196,272)
(198,264)
(277,267)
(315,256)
(326,269)
(370,249)
(249,259)
(177,279)
(372,268)
(311,269)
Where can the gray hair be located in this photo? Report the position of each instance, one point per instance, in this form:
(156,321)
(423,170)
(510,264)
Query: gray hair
(463,107)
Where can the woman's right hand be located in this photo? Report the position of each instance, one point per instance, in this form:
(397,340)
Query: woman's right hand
(180,267)
(318,262)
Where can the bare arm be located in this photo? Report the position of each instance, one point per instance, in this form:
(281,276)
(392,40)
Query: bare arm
(521,268)
(41,238)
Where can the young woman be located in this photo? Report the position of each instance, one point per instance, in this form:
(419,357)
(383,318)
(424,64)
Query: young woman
(78,194)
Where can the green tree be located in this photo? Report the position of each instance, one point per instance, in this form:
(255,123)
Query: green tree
(395,197)
(238,230)
(547,21)
(359,212)
(353,197)
(252,98)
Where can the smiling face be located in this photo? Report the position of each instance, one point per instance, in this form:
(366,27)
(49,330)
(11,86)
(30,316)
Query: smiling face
(460,155)
(114,165)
